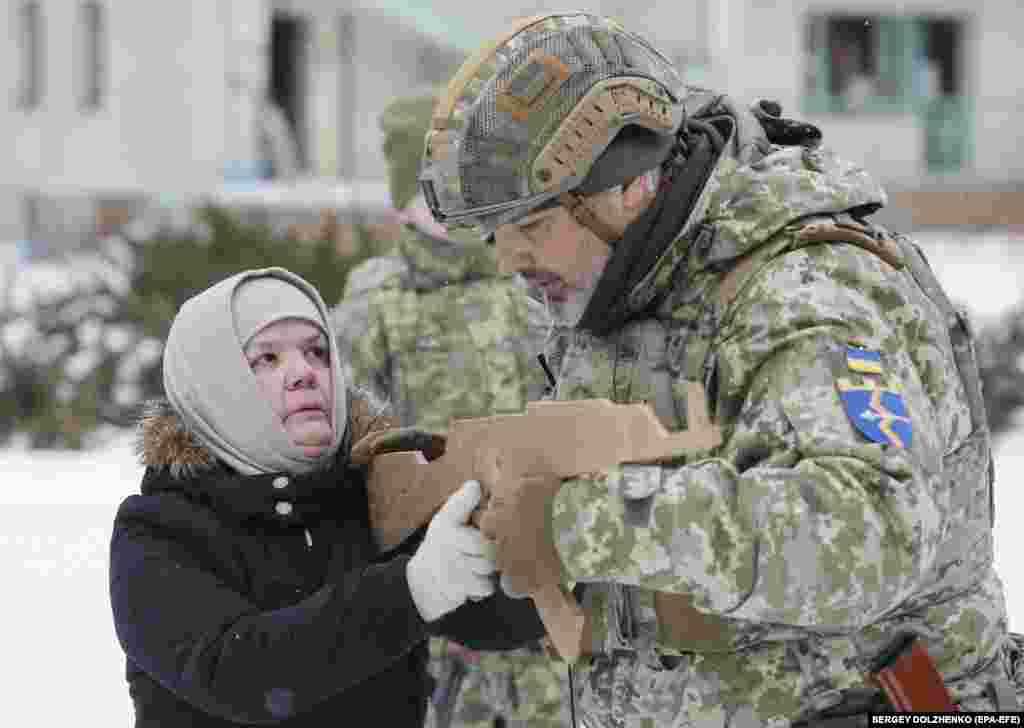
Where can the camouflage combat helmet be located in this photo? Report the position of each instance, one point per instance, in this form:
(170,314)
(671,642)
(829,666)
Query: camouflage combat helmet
(404,124)
(530,119)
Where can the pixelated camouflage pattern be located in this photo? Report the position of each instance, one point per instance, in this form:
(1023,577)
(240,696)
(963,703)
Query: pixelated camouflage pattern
(441,336)
(805,544)
(404,123)
(522,686)
(433,329)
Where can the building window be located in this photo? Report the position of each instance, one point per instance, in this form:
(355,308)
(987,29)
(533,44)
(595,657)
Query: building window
(30,46)
(92,68)
(902,64)
(856,63)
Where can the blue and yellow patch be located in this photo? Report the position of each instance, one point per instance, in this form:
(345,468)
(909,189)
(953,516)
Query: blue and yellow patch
(876,409)
(864,361)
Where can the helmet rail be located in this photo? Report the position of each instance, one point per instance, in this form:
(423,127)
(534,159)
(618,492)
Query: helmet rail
(607,108)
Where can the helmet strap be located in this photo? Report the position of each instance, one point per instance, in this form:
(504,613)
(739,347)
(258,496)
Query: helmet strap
(576,204)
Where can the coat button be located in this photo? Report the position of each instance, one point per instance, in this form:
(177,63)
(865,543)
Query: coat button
(280,482)
(283,508)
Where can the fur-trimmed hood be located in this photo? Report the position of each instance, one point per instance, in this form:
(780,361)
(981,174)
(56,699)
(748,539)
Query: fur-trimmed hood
(163,441)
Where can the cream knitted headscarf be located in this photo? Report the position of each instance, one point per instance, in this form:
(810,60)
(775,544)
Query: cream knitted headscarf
(208,381)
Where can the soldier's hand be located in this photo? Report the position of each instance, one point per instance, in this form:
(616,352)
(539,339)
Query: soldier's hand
(518,520)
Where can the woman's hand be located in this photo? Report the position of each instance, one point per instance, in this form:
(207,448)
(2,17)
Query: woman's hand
(455,562)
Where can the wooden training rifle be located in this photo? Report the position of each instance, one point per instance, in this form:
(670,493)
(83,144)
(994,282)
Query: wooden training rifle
(562,439)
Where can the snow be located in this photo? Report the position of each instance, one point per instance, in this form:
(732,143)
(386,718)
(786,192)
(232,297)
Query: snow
(984,271)
(62,664)
(1009,536)
(61,661)
(46,281)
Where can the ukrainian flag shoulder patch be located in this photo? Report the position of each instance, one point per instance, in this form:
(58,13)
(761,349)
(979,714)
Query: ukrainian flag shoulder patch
(864,361)
(874,406)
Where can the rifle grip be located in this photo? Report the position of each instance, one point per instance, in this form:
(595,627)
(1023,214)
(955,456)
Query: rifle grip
(563,618)
(910,679)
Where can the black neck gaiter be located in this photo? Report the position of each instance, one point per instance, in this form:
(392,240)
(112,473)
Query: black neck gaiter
(647,238)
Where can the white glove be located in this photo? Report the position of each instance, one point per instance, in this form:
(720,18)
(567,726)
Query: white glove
(455,562)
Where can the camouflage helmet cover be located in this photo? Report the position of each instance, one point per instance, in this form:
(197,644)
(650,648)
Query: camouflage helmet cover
(526,117)
(404,123)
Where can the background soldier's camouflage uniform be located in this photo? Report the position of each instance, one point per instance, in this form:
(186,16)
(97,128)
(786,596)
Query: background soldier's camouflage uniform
(434,330)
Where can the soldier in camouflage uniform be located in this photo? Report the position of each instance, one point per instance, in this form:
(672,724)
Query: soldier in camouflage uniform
(717,256)
(433,329)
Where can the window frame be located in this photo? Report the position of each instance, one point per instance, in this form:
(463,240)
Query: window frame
(92,56)
(31,30)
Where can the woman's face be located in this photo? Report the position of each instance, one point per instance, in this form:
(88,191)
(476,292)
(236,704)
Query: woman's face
(291,361)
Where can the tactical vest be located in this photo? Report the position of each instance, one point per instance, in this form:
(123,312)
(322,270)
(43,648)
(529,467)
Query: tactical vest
(688,370)
(457,351)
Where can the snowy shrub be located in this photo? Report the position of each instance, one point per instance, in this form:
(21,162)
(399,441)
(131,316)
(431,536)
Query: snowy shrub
(81,338)
(1001,356)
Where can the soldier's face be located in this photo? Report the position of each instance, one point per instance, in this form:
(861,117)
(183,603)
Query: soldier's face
(557,256)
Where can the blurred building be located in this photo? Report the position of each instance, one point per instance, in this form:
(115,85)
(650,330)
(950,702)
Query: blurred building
(927,95)
(106,104)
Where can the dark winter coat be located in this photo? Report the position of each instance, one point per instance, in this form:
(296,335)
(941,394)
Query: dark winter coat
(235,609)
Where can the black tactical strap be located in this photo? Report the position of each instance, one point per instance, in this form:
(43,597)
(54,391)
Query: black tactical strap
(783,131)
(647,237)
(852,712)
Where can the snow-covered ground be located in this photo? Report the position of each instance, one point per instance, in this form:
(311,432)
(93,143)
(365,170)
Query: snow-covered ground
(61,664)
(984,271)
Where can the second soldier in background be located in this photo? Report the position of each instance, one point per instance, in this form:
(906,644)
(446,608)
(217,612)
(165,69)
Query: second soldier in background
(434,330)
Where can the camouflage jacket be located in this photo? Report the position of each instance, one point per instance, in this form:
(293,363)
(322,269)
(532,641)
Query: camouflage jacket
(849,498)
(434,330)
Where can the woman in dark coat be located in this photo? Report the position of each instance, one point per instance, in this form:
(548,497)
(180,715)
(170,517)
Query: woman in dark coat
(245,583)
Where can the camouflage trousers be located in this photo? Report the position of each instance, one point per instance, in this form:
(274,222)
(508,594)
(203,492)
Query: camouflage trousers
(518,688)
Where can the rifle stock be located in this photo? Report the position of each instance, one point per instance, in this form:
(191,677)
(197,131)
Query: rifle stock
(563,439)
